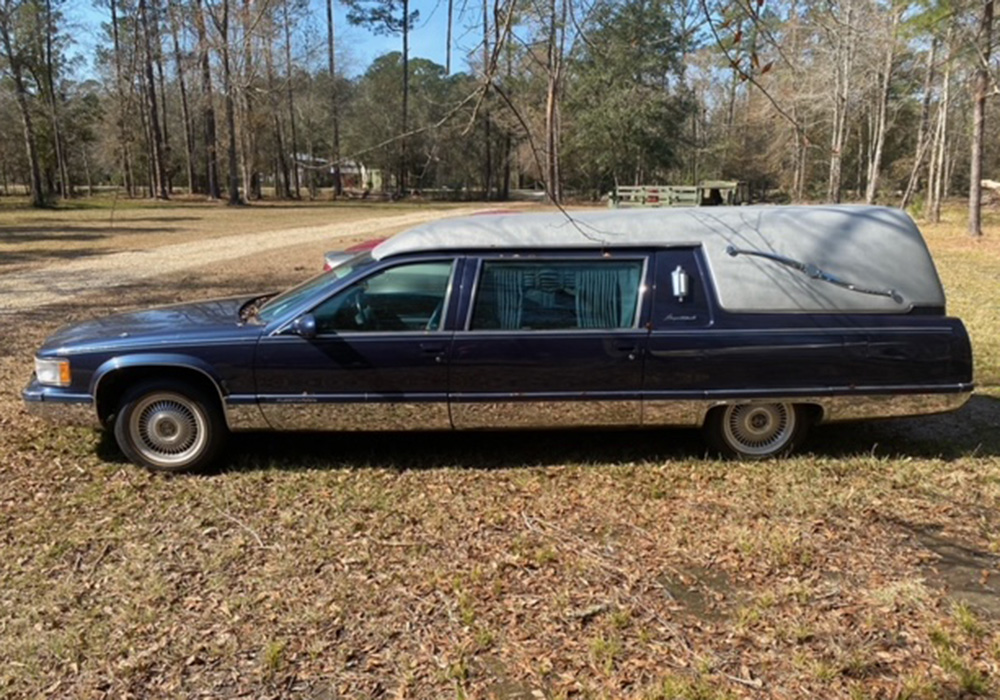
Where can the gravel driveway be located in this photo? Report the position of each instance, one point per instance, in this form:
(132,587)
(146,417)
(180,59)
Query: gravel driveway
(30,289)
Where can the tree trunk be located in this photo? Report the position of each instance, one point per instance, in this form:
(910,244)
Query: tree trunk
(156,134)
(247,127)
(979,120)
(842,91)
(936,170)
(185,110)
(123,108)
(208,108)
(222,26)
(488,164)
(282,180)
(401,183)
(161,82)
(554,70)
(65,185)
(338,187)
(290,96)
(38,198)
(922,129)
(447,45)
(882,114)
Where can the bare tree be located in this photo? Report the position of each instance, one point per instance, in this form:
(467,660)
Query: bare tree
(220,18)
(922,142)
(290,99)
(158,166)
(338,187)
(983,47)
(172,11)
(15,58)
(213,184)
(881,120)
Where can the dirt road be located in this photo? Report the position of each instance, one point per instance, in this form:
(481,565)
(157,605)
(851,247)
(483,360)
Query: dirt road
(51,284)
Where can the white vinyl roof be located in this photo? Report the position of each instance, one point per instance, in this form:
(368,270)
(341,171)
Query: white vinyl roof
(875,248)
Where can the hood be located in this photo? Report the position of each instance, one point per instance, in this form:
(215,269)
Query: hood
(162,324)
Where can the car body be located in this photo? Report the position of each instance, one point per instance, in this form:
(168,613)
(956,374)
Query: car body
(751,322)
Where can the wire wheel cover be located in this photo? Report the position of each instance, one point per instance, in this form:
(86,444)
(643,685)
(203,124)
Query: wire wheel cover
(168,428)
(759,429)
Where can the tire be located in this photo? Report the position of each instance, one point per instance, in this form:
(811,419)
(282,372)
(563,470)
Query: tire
(753,431)
(170,426)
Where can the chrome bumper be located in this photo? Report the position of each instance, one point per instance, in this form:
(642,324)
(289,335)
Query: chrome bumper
(60,407)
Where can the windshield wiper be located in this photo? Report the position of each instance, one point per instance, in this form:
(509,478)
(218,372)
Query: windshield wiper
(816,273)
(249,310)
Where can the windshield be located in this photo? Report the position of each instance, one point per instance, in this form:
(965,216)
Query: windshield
(292,297)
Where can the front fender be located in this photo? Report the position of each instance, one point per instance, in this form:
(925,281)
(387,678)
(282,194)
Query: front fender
(157,359)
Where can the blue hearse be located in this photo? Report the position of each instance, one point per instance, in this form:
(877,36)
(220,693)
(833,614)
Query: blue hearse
(750,322)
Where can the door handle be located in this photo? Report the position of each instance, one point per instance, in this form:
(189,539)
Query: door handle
(630,350)
(435,349)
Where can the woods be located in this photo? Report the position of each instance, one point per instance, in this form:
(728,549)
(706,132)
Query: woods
(242,99)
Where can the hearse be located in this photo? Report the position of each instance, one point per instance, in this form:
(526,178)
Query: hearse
(753,323)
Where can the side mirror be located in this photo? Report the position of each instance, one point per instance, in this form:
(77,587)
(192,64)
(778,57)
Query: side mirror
(304,326)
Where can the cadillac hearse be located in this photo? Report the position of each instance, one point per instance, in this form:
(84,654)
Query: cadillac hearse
(752,323)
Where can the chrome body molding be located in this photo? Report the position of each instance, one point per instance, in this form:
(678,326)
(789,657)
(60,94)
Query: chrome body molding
(847,408)
(545,414)
(357,416)
(76,413)
(834,409)
(244,415)
(677,413)
(286,414)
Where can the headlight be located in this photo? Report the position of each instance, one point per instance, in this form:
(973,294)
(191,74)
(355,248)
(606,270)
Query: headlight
(52,372)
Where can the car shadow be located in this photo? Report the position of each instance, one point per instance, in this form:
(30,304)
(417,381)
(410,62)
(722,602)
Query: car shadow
(970,431)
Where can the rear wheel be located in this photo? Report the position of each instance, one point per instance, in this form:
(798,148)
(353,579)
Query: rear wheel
(170,426)
(756,430)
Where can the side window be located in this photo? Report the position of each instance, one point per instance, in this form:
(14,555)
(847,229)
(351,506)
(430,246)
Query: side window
(409,297)
(558,294)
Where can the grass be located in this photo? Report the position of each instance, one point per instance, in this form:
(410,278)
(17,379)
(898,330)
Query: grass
(595,564)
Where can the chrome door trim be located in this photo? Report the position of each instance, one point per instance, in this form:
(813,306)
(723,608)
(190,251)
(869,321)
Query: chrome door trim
(315,413)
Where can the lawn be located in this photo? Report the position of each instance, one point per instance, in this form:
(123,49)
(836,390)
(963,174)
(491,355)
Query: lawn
(535,565)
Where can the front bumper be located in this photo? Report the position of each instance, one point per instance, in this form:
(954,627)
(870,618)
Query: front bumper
(60,406)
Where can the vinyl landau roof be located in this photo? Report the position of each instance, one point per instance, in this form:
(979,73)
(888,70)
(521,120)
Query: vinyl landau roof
(876,249)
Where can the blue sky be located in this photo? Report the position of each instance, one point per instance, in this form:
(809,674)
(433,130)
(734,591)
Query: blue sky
(356,45)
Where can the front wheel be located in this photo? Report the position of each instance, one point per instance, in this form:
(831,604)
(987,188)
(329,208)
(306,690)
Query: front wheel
(170,426)
(756,430)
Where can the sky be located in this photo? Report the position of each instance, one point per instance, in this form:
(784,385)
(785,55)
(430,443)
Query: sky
(356,46)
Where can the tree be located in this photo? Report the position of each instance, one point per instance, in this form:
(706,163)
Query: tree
(626,96)
(983,45)
(334,100)
(220,17)
(17,22)
(391,18)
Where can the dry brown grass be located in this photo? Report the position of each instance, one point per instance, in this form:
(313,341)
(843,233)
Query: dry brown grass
(592,565)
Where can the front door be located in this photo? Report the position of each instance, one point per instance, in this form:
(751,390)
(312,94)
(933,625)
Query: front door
(379,360)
